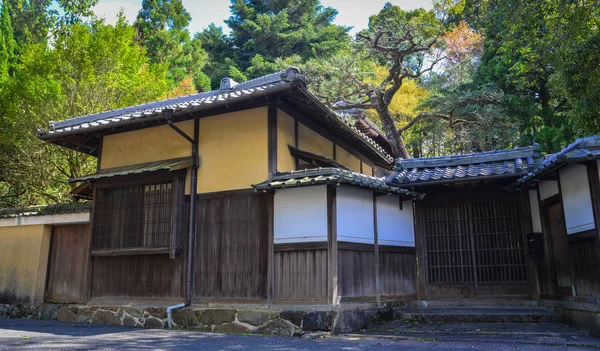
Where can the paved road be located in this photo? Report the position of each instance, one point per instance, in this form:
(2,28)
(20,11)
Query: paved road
(50,335)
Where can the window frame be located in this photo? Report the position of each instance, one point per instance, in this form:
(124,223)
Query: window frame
(177,180)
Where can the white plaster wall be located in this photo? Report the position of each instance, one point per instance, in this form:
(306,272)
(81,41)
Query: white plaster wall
(300,214)
(354,211)
(534,205)
(577,199)
(547,188)
(394,226)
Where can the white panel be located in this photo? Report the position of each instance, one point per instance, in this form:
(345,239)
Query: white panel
(64,218)
(394,226)
(576,197)
(300,214)
(534,205)
(354,209)
(548,188)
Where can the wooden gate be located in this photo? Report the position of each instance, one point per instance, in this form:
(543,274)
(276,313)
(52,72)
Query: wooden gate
(474,248)
(68,264)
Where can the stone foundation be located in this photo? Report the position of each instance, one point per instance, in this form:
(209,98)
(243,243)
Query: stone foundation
(268,321)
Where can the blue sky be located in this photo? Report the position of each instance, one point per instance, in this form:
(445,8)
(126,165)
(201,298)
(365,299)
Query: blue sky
(353,13)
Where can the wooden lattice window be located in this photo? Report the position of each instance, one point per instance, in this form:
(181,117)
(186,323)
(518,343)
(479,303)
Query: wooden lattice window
(144,217)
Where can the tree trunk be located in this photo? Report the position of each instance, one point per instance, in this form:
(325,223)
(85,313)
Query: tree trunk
(391,132)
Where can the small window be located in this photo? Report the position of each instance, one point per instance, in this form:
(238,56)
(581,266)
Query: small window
(140,216)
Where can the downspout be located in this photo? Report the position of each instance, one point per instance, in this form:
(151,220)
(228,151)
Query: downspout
(192,215)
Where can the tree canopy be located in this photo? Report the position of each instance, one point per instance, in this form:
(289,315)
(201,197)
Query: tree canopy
(466,76)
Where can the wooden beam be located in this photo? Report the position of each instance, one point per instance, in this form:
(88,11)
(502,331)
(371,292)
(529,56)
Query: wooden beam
(526,228)
(270,198)
(571,268)
(551,281)
(332,249)
(594,179)
(375,248)
(420,251)
(272,139)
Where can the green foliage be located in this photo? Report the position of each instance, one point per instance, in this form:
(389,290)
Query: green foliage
(162,30)
(95,67)
(7,43)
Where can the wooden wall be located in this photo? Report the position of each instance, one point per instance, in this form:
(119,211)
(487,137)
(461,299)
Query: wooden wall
(356,270)
(397,272)
(586,267)
(301,272)
(68,266)
(141,276)
(232,246)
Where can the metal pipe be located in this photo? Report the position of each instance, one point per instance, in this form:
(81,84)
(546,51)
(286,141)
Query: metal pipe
(169,309)
(192,216)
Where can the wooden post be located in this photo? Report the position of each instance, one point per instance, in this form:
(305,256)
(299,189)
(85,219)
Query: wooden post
(526,228)
(271,252)
(420,253)
(376,249)
(332,250)
(594,179)
(571,268)
(272,139)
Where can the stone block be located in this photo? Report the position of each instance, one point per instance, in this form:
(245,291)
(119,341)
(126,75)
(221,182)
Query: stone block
(129,321)
(318,321)
(66,315)
(105,317)
(295,317)
(153,323)
(134,312)
(277,327)
(160,313)
(83,314)
(349,321)
(231,328)
(185,318)
(215,316)
(256,317)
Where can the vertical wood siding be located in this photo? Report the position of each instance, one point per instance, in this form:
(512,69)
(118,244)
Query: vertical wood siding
(232,247)
(585,260)
(68,264)
(397,274)
(356,272)
(301,274)
(137,276)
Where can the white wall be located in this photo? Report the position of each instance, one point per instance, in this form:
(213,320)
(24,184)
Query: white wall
(300,214)
(354,209)
(534,205)
(394,226)
(548,188)
(577,200)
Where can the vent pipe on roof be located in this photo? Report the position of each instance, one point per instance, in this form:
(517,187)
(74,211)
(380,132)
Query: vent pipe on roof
(227,84)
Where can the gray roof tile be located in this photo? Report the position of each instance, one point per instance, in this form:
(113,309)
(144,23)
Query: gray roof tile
(500,163)
(583,149)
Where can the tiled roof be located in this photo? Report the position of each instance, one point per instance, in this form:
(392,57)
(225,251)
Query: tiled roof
(329,175)
(229,93)
(74,207)
(583,149)
(165,165)
(478,166)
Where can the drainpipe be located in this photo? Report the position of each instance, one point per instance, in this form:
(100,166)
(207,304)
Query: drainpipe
(192,221)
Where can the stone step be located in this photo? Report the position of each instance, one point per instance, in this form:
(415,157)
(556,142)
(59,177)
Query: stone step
(504,302)
(499,333)
(477,314)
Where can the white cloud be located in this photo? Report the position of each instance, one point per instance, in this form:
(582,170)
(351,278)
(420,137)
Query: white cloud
(109,9)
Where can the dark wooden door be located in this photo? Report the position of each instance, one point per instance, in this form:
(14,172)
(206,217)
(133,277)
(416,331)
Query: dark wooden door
(68,264)
(474,248)
(560,250)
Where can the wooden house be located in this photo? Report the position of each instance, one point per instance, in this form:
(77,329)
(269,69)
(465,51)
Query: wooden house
(470,228)
(564,192)
(255,192)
